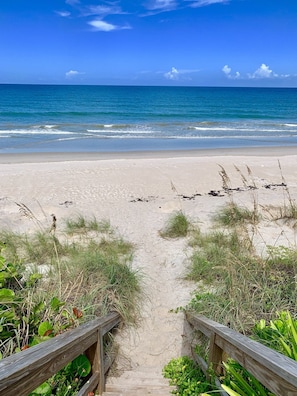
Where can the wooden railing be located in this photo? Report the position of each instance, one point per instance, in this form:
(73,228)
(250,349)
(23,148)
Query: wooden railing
(275,371)
(23,372)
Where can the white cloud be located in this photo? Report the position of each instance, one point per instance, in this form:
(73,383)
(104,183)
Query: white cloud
(263,72)
(63,13)
(103,26)
(173,74)
(102,10)
(73,73)
(227,70)
(203,3)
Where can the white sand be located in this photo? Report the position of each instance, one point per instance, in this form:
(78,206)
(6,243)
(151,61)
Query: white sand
(138,194)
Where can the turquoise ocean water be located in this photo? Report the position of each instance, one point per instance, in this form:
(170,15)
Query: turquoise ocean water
(48,118)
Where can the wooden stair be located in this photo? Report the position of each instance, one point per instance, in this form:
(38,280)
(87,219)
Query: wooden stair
(146,382)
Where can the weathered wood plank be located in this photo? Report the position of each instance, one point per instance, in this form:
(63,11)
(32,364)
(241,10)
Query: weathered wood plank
(101,385)
(108,360)
(201,362)
(274,370)
(90,385)
(202,323)
(21,373)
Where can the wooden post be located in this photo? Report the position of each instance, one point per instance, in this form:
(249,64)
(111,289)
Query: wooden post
(96,356)
(215,355)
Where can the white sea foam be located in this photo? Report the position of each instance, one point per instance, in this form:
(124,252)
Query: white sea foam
(34,132)
(69,138)
(255,129)
(50,126)
(126,132)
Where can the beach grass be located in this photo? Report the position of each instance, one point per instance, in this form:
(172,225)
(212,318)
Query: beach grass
(237,285)
(80,224)
(92,275)
(177,226)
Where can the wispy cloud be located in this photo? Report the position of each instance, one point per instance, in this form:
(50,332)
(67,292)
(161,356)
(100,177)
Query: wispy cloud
(105,10)
(63,14)
(204,3)
(102,10)
(103,26)
(72,2)
(161,5)
(72,74)
(97,13)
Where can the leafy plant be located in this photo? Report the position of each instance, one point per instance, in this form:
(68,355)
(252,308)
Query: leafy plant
(279,334)
(238,381)
(186,376)
(68,380)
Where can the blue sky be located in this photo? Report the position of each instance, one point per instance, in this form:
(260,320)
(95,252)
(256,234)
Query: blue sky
(149,42)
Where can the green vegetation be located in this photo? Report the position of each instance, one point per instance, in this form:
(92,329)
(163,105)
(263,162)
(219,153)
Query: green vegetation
(80,224)
(67,381)
(185,375)
(237,287)
(177,226)
(50,283)
(279,334)
(232,215)
(255,295)
(238,381)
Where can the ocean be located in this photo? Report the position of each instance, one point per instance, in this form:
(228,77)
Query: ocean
(60,118)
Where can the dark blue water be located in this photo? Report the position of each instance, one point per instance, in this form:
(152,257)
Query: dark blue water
(47,118)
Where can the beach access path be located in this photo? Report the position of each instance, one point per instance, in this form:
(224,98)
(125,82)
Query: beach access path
(137,194)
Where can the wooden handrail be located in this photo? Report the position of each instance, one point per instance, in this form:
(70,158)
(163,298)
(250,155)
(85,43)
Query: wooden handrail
(23,372)
(275,371)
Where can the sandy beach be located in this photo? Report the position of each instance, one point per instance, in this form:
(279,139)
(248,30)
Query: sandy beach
(137,192)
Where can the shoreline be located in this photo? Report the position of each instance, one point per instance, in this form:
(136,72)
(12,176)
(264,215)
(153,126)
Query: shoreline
(40,157)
